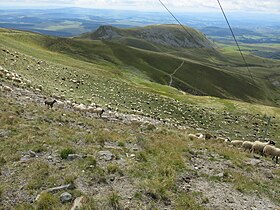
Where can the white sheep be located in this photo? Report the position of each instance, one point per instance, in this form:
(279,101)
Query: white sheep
(247,145)
(272,151)
(195,136)
(259,146)
(236,143)
(60,104)
(199,135)
(7,88)
(80,108)
(16,79)
(192,136)
(99,111)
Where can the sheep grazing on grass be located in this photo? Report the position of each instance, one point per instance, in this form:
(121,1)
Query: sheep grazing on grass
(80,107)
(259,146)
(7,88)
(99,111)
(222,139)
(271,151)
(60,104)
(196,136)
(247,145)
(50,103)
(236,143)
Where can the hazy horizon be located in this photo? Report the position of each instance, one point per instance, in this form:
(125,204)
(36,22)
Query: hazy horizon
(248,6)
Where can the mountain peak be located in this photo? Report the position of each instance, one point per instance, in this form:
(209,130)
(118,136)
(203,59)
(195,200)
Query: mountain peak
(163,35)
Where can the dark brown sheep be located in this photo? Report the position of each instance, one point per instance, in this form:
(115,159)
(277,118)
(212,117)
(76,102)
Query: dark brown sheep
(50,103)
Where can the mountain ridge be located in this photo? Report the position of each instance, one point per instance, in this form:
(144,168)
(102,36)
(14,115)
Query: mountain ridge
(166,35)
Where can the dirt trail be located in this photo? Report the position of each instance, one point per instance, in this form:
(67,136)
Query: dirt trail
(175,71)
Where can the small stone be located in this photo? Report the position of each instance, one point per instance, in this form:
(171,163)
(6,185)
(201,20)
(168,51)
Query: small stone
(24,159)
(254,162)
(230,200)
(220,175)
(167,202)
(65,197)
(32,154)
(106,155)
(4,133)
(71,157)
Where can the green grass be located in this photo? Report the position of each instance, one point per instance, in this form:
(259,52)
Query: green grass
(65,152)
(47,201)
(114,201)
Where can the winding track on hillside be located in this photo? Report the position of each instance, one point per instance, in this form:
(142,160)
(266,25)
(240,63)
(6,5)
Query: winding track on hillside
(171,75)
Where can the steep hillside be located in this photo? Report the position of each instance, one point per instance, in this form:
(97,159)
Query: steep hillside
(145,37)
(76,69)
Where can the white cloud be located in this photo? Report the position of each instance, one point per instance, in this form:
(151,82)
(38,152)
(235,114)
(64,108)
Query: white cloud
(183,5)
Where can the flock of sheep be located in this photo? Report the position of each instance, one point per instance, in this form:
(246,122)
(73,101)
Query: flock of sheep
(4,73)
(267,149)
(93,108)
(263,148)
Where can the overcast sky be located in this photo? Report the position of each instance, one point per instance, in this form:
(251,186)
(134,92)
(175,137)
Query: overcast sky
(269,6)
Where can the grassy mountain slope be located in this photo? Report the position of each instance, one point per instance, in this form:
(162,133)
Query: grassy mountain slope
(56,62)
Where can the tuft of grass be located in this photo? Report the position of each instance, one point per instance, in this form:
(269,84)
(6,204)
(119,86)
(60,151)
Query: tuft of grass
(90,204)
(70,179)
(24,206)
(1,192)
(2,161)
(113,168)
(187,201)
(65,152)
(141,156)
(39,175)
(114,201)
(47,201)
(101,139)
(39,148)
(121,144)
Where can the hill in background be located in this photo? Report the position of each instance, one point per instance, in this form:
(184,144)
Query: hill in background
(162,35)
(197,65)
